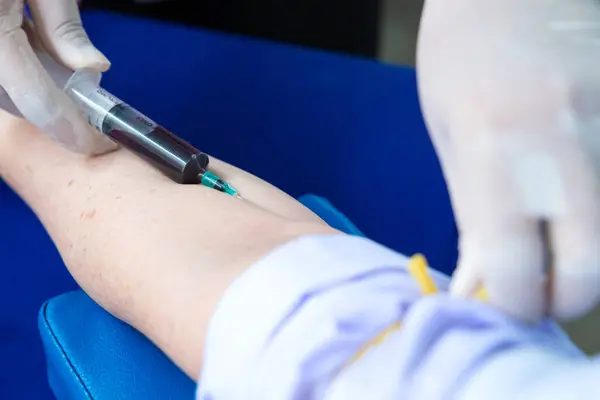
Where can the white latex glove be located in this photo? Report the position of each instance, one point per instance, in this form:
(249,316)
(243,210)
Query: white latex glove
(56,28)
(510,90)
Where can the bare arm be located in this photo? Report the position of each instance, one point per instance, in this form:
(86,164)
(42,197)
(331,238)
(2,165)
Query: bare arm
(156,254)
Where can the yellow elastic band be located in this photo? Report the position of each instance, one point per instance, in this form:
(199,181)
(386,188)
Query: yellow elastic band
(481,294)
(419,270)
(373,342)
(417,267)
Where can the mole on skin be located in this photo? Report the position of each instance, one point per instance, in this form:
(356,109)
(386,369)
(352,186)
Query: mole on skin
(88,215)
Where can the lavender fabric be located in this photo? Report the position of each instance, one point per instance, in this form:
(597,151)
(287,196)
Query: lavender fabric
(287,328)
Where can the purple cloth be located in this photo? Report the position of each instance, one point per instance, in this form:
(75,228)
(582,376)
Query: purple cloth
(288,326)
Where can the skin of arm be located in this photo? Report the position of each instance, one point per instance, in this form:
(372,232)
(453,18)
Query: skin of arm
(155,254)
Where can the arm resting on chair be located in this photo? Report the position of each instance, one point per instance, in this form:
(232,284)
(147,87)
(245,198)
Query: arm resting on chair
(155,254)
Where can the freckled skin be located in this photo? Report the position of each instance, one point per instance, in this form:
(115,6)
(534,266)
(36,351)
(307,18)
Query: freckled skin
(116,259)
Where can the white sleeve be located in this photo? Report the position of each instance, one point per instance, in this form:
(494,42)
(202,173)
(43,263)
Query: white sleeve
(287,327)
(531,373)
(292,319)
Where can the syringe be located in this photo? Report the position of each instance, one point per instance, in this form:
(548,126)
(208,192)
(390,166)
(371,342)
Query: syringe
(176,158)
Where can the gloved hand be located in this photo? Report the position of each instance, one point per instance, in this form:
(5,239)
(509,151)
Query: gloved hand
(56,29)
(510,90)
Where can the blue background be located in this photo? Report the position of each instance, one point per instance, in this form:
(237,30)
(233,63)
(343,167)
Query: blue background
(344,128)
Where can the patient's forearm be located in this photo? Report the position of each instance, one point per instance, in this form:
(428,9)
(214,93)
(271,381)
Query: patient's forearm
(260,193)
(156,254)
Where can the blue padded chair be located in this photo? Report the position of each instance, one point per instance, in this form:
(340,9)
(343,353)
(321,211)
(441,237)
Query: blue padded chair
(347,129)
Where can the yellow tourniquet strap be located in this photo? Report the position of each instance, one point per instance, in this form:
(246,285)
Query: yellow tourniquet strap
(418,269)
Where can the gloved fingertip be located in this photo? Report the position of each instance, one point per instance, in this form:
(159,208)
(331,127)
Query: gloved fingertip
(575,273)
(86,56)
(96,59)
(76,51)
(520,296)
(575,291)
(464,282)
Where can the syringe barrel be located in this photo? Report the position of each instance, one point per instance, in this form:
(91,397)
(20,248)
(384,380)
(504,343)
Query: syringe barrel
(179,160)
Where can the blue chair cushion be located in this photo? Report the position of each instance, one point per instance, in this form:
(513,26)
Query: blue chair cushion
(92,355)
